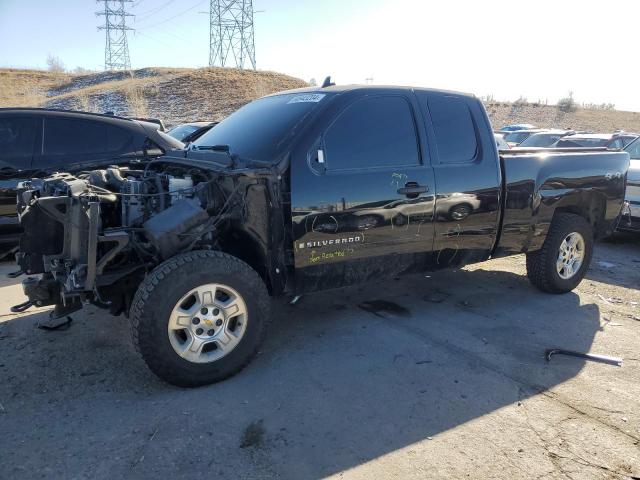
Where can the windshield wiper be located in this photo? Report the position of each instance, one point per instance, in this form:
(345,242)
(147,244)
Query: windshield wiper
(236,160)
(215,148)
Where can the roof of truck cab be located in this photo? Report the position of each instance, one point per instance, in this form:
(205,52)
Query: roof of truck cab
(350,88)
(59,111)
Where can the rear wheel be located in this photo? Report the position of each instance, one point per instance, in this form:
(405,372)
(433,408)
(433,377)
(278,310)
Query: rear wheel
(562,262)
(199,317)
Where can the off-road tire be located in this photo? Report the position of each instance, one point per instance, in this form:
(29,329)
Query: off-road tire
(165,285)
(541,264)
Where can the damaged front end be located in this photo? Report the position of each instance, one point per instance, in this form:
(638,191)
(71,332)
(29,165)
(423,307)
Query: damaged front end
(92,237)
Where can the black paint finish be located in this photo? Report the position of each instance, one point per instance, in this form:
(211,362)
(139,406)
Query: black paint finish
(354,225)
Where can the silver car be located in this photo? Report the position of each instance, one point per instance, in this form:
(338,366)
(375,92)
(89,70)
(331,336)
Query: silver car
(632,221)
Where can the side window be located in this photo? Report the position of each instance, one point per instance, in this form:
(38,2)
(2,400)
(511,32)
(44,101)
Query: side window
(17,137)
(372,132)
(634,150)
(454,129)
(66,136)
(616,144)
(118,139)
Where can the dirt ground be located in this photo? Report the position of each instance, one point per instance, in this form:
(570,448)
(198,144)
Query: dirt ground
(439,376)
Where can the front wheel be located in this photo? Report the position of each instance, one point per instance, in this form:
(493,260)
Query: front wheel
(562,262)
(199,317)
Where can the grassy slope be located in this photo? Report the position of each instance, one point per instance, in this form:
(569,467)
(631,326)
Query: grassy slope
(174,95)
(177,95)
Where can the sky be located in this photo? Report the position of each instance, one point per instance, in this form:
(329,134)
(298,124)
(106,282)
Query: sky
(539,50)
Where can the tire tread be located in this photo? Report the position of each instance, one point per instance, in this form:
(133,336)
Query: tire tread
(164,270)
(538,268)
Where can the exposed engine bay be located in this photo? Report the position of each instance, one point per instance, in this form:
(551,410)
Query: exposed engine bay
(95,234)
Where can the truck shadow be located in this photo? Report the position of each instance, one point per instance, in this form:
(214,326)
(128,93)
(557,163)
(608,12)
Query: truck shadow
(344,377)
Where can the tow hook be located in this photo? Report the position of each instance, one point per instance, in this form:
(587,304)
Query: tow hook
(15,274)
(21,307)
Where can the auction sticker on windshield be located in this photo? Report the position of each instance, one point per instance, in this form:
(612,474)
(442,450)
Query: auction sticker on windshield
(307,98)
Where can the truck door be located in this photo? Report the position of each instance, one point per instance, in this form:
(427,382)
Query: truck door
(468,177)
(362,192)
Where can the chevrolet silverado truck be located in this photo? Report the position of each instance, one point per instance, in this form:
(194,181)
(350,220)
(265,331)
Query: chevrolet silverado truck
(297,192)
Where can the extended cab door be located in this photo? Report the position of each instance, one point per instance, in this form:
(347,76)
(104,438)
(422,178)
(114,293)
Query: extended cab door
(467,175)
(362,191)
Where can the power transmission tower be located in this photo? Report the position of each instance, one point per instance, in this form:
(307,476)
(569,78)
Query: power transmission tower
(116,48)
(231,33)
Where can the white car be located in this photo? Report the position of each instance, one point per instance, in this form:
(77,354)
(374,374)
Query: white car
(632,221)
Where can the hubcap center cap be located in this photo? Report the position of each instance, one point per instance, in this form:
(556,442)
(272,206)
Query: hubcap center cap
(208,321)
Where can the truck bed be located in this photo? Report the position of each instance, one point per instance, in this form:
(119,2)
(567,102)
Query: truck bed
(539,182)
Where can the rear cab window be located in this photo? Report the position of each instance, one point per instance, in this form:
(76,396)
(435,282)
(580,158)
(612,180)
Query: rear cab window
(454,128)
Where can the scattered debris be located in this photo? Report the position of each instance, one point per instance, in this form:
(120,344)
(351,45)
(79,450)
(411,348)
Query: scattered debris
(50,323)
(423,362)
(610,300)
(588,356)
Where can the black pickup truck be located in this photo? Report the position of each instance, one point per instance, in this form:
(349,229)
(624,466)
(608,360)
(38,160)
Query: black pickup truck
(301,191)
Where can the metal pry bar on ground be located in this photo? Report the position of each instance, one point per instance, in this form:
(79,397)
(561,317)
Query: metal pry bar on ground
(588,356)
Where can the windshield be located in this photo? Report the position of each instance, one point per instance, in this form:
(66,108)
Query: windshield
(182,131)
(260,130)
(517,137)
(540,140)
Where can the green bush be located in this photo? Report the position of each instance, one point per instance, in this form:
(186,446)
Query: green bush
(567,104)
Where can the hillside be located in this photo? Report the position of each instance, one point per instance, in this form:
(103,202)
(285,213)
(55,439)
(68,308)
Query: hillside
(174,95)
(549,116)
(177,95)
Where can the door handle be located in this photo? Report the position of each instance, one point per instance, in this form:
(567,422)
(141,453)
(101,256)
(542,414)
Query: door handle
(412,189)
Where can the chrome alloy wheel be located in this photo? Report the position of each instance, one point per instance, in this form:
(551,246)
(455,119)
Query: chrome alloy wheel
(570,255)
(207,323)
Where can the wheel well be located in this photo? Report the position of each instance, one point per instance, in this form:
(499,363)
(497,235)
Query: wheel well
(592,208)
(241,245)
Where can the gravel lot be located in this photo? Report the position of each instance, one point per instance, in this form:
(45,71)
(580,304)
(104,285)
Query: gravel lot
(438,376)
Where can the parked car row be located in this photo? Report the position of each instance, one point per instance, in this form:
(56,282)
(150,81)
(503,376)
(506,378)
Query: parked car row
(528,136)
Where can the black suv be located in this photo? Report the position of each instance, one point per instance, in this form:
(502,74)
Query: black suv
(35,142)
